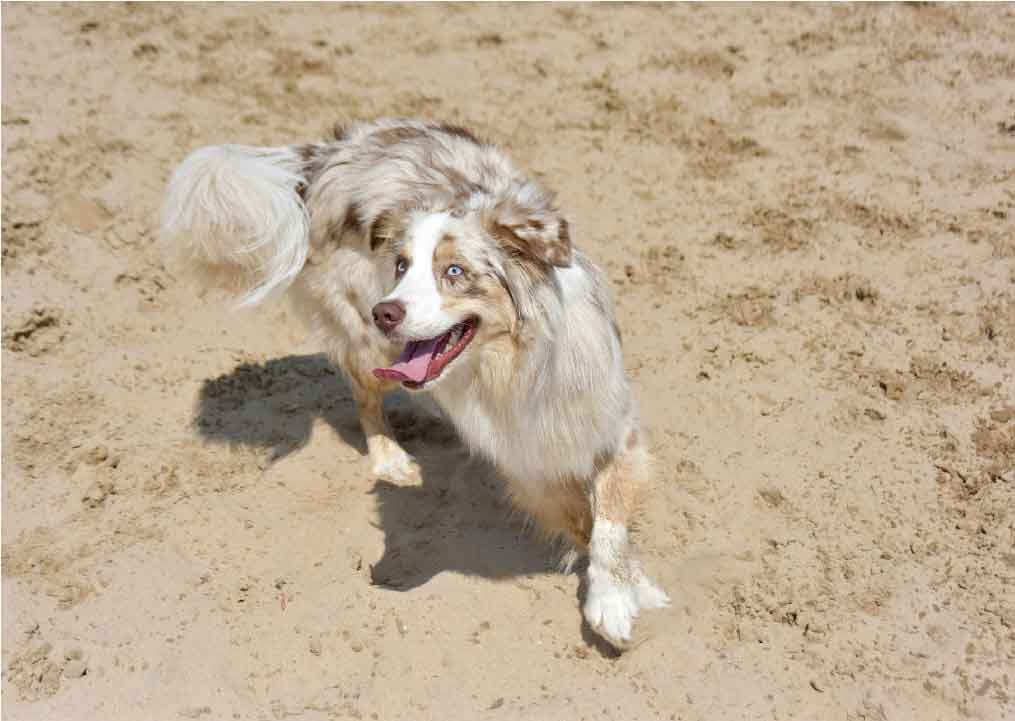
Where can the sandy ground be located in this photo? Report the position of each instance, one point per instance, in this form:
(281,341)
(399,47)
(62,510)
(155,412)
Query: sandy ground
(807,217)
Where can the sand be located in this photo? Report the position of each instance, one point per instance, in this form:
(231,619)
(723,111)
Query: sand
(806,214)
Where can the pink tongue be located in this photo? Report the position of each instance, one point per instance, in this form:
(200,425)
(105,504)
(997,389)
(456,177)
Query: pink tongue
(413,363)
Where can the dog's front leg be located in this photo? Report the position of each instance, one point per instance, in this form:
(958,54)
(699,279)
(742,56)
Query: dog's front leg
(387,458)
(617,587)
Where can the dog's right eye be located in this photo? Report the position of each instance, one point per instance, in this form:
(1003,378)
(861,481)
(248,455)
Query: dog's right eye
(401,266)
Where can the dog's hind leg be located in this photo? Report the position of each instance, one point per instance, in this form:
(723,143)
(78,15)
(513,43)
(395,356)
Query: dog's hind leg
(387,458)
(617,587)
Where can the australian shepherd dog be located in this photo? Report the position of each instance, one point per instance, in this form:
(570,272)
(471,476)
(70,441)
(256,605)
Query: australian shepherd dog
(428,261)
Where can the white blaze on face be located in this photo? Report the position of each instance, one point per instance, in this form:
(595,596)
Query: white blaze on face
(417,290)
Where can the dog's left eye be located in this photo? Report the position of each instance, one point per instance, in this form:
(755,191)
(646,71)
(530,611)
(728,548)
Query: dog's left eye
(454,271)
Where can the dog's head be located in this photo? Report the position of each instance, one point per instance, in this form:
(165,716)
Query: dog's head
(461,278)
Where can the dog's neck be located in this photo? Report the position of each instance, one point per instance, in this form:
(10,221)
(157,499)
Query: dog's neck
(548,399)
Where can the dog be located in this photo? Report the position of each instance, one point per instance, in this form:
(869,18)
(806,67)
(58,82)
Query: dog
(428,261)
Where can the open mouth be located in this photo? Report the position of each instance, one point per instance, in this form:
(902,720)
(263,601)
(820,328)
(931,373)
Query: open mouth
(424,360)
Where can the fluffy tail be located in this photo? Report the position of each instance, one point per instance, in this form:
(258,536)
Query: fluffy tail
(236,214)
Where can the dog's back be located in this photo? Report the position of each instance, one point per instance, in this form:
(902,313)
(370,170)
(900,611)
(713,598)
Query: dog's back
(246,218)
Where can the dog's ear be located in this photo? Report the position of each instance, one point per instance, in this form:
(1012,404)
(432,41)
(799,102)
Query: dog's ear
(537,233)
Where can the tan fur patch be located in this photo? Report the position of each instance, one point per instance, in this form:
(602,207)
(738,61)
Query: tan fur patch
(563,510)
(386,228)
(568,508)
(458,131)
(391,136)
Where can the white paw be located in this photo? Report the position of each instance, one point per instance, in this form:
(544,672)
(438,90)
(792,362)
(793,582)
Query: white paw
(611,606)
(394,464)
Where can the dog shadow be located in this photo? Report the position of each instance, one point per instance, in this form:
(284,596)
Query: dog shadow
(456,519)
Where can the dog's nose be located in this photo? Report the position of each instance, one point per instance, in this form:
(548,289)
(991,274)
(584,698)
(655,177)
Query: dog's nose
(388,315)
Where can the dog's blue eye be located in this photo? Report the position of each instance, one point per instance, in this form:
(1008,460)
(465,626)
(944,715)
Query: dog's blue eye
(401,266)
(455,270)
